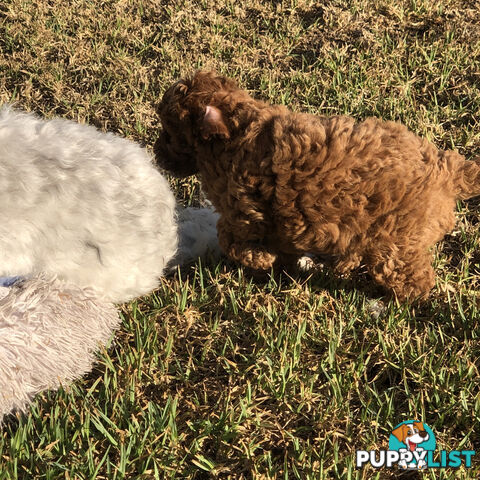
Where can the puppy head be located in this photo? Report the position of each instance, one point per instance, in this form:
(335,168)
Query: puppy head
(193,111)
(415,431)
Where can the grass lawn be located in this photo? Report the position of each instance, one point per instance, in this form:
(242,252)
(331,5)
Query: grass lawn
(217,375)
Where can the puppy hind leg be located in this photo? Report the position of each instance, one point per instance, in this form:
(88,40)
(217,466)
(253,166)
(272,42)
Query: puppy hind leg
(468,181)
(408,274)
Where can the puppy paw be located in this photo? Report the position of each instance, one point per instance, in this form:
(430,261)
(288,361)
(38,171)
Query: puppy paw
(254,257)
(376,308)
(345,265)
(306,263)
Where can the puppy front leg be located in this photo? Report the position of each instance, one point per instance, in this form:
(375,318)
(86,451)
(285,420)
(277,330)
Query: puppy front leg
(243,246)
(253,256)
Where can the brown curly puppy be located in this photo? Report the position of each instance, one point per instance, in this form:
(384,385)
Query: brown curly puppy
(287,183)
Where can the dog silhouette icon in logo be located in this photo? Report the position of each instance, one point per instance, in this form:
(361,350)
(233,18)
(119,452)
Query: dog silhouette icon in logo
(415,437)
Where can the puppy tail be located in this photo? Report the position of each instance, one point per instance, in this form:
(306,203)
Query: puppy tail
(197,231)
(468,181)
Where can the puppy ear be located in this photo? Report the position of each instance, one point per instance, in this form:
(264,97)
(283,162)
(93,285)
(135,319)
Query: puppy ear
(401,433)
(213,123)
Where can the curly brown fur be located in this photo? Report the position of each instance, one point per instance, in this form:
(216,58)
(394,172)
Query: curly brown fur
(287,183)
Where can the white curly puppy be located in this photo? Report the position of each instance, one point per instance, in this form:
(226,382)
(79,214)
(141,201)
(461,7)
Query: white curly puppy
(42,342)
(87,206)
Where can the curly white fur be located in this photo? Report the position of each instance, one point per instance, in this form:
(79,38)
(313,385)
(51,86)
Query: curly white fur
(87,206)
(90,208)
(49,332)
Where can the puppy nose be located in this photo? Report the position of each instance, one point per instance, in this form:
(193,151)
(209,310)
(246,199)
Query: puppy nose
(423,433)
(165,135)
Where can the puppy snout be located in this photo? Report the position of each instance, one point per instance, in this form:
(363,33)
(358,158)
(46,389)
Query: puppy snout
(173,156)
(160,149)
